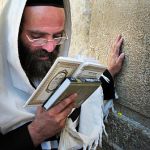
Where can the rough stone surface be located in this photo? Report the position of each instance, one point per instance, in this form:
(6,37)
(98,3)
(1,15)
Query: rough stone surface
(81,15)
(126,134)
(132,20)
(95,24)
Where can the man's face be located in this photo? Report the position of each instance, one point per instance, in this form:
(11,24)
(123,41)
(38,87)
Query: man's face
(40,22)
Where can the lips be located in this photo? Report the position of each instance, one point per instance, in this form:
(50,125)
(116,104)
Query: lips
(43,58)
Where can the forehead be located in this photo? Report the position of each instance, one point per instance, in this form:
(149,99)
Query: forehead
(43,18)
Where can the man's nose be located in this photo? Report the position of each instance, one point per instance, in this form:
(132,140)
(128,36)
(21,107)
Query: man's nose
(49,46)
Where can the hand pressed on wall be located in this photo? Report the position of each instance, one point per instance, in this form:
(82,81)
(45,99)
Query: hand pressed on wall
(115,58)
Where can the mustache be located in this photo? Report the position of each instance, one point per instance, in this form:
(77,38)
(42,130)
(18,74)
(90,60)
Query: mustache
(42,53)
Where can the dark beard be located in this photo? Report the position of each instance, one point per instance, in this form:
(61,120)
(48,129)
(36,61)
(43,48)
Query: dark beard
(34,68)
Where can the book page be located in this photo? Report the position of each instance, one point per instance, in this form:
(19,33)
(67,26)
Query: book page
(89,70)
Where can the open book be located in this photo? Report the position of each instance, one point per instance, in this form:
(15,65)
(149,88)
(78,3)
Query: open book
(62,68)
(84,87)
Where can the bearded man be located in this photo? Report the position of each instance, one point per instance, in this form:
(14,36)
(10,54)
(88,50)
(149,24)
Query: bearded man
(33,34)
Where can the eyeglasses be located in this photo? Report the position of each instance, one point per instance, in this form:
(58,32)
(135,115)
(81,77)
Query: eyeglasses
(42,41)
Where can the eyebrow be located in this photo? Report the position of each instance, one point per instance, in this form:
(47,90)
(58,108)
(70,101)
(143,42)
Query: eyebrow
(43,33)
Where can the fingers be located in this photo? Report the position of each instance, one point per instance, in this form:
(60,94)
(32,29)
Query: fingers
(117,39)
(120,59)
(117,45)
(49,123)
(64,114)
(120,42)
(115,59)
(61,111)
(63,104)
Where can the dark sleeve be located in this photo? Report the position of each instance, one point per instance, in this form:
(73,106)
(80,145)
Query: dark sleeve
(107,86)
(18,139)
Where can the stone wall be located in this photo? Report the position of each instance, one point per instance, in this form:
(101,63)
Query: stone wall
(96,23)
(81,15)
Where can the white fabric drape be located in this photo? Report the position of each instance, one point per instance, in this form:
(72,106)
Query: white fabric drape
(15,88)
(91,126)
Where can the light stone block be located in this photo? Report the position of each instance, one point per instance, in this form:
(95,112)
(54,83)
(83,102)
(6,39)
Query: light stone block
(131,19)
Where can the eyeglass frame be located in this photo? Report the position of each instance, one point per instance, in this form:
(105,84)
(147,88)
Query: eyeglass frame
(46,40)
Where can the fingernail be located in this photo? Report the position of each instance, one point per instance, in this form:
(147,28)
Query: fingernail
(123,54)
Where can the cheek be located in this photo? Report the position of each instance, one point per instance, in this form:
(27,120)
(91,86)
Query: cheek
(30,48)
(27,44)
(25,41)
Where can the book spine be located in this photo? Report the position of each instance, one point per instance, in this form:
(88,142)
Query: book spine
(56,95)
(82,80)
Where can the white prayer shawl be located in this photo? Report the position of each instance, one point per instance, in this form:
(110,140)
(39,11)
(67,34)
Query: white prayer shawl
(91,126)
(15,88)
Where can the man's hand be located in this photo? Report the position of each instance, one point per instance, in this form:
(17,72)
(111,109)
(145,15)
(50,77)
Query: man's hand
(115,58)
(48,123)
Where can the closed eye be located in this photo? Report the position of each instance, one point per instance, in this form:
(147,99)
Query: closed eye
(36,36)
(57,35)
